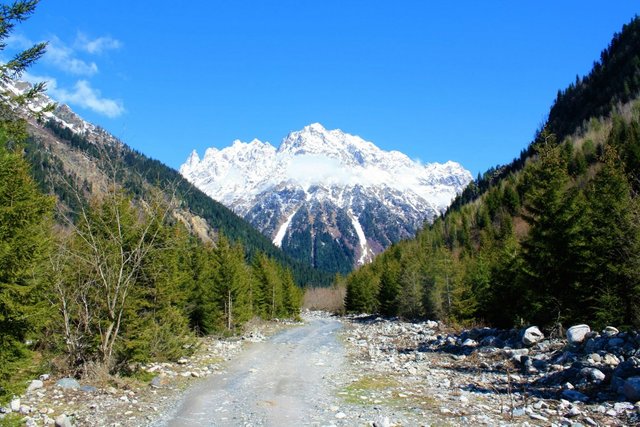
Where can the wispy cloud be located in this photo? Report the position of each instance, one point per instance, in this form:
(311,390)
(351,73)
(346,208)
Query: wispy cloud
(97,45)
(82,95)
(87,97)
(64,58)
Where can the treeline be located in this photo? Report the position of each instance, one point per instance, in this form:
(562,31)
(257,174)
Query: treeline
(553,238)
(557,243)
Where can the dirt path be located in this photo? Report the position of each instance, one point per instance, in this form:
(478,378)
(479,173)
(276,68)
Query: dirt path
(283,381)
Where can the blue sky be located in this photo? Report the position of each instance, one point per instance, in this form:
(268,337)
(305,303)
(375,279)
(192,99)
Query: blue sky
(468,81)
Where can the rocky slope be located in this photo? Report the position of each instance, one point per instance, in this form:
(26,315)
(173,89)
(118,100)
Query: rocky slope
(326,197)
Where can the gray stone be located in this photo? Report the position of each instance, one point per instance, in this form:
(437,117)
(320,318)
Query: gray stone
(45,377)
(14,405)
(610,331)
(518,412)
(68,384)
(592,374)
(63,421)
(469,343)
(160,381)
(532,335)
(611,359)
(574,395)
(35,385)
(382,422)
(631,389)
(577,333)
(595,357)
(88,389)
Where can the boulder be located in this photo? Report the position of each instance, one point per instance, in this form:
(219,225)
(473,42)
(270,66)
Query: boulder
(35,385)
(63,421)
(610,331)
(592,374)
(470,343)
(532,335)
(576,334)
(574,395)
(631,389)
(68,383)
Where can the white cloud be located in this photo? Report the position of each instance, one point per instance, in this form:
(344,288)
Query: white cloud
(97,45)
(85,96)
(65,59)
(82,95)
(18,41)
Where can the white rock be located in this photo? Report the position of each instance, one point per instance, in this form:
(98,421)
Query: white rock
(341,415)
(63,421)
(382,422)
(577,333)
(610,331)
(35,385)
(532,335)
(15,405)
(469,343)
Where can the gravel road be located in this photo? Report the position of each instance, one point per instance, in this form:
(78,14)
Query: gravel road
(284,381)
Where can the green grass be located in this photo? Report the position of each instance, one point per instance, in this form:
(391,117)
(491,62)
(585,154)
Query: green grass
(11,420)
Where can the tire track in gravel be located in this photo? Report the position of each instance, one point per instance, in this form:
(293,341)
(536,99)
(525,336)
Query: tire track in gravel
(279,382)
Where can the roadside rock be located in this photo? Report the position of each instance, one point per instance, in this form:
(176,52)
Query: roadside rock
(35,385)
(532,335)
(577,334)
(68,383)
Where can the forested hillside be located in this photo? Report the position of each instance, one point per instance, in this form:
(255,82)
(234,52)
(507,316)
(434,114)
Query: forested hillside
(57,173)
(552,238)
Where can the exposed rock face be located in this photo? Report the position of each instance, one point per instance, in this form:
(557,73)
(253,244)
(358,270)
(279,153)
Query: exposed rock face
(326,197)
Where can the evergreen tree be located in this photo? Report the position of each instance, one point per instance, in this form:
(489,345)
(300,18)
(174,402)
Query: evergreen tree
(552,252)
(613,238)
(231,284)
(24,244)
(24,214)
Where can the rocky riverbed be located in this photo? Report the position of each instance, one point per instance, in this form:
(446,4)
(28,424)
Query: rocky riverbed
(390,373)
(494,377)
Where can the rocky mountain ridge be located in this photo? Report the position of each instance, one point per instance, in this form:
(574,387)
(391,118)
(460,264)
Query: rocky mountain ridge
(326,197)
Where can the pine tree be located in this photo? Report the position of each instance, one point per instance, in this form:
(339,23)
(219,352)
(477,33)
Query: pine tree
(24,213)
(553,250)
(613,237)
(231,284)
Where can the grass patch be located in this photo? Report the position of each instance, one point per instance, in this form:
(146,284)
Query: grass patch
(387,391)
(11,420)
(369,390)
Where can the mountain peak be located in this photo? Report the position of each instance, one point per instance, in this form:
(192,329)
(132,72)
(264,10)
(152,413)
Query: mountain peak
(331,188)
(315,127)
(193,159)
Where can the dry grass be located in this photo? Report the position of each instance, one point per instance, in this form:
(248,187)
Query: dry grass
(326,299)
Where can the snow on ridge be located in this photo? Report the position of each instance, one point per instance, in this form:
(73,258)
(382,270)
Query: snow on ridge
(282,231)
(314,156)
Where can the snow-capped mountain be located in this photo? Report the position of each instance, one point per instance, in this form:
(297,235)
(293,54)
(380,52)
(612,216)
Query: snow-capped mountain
(325,196)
